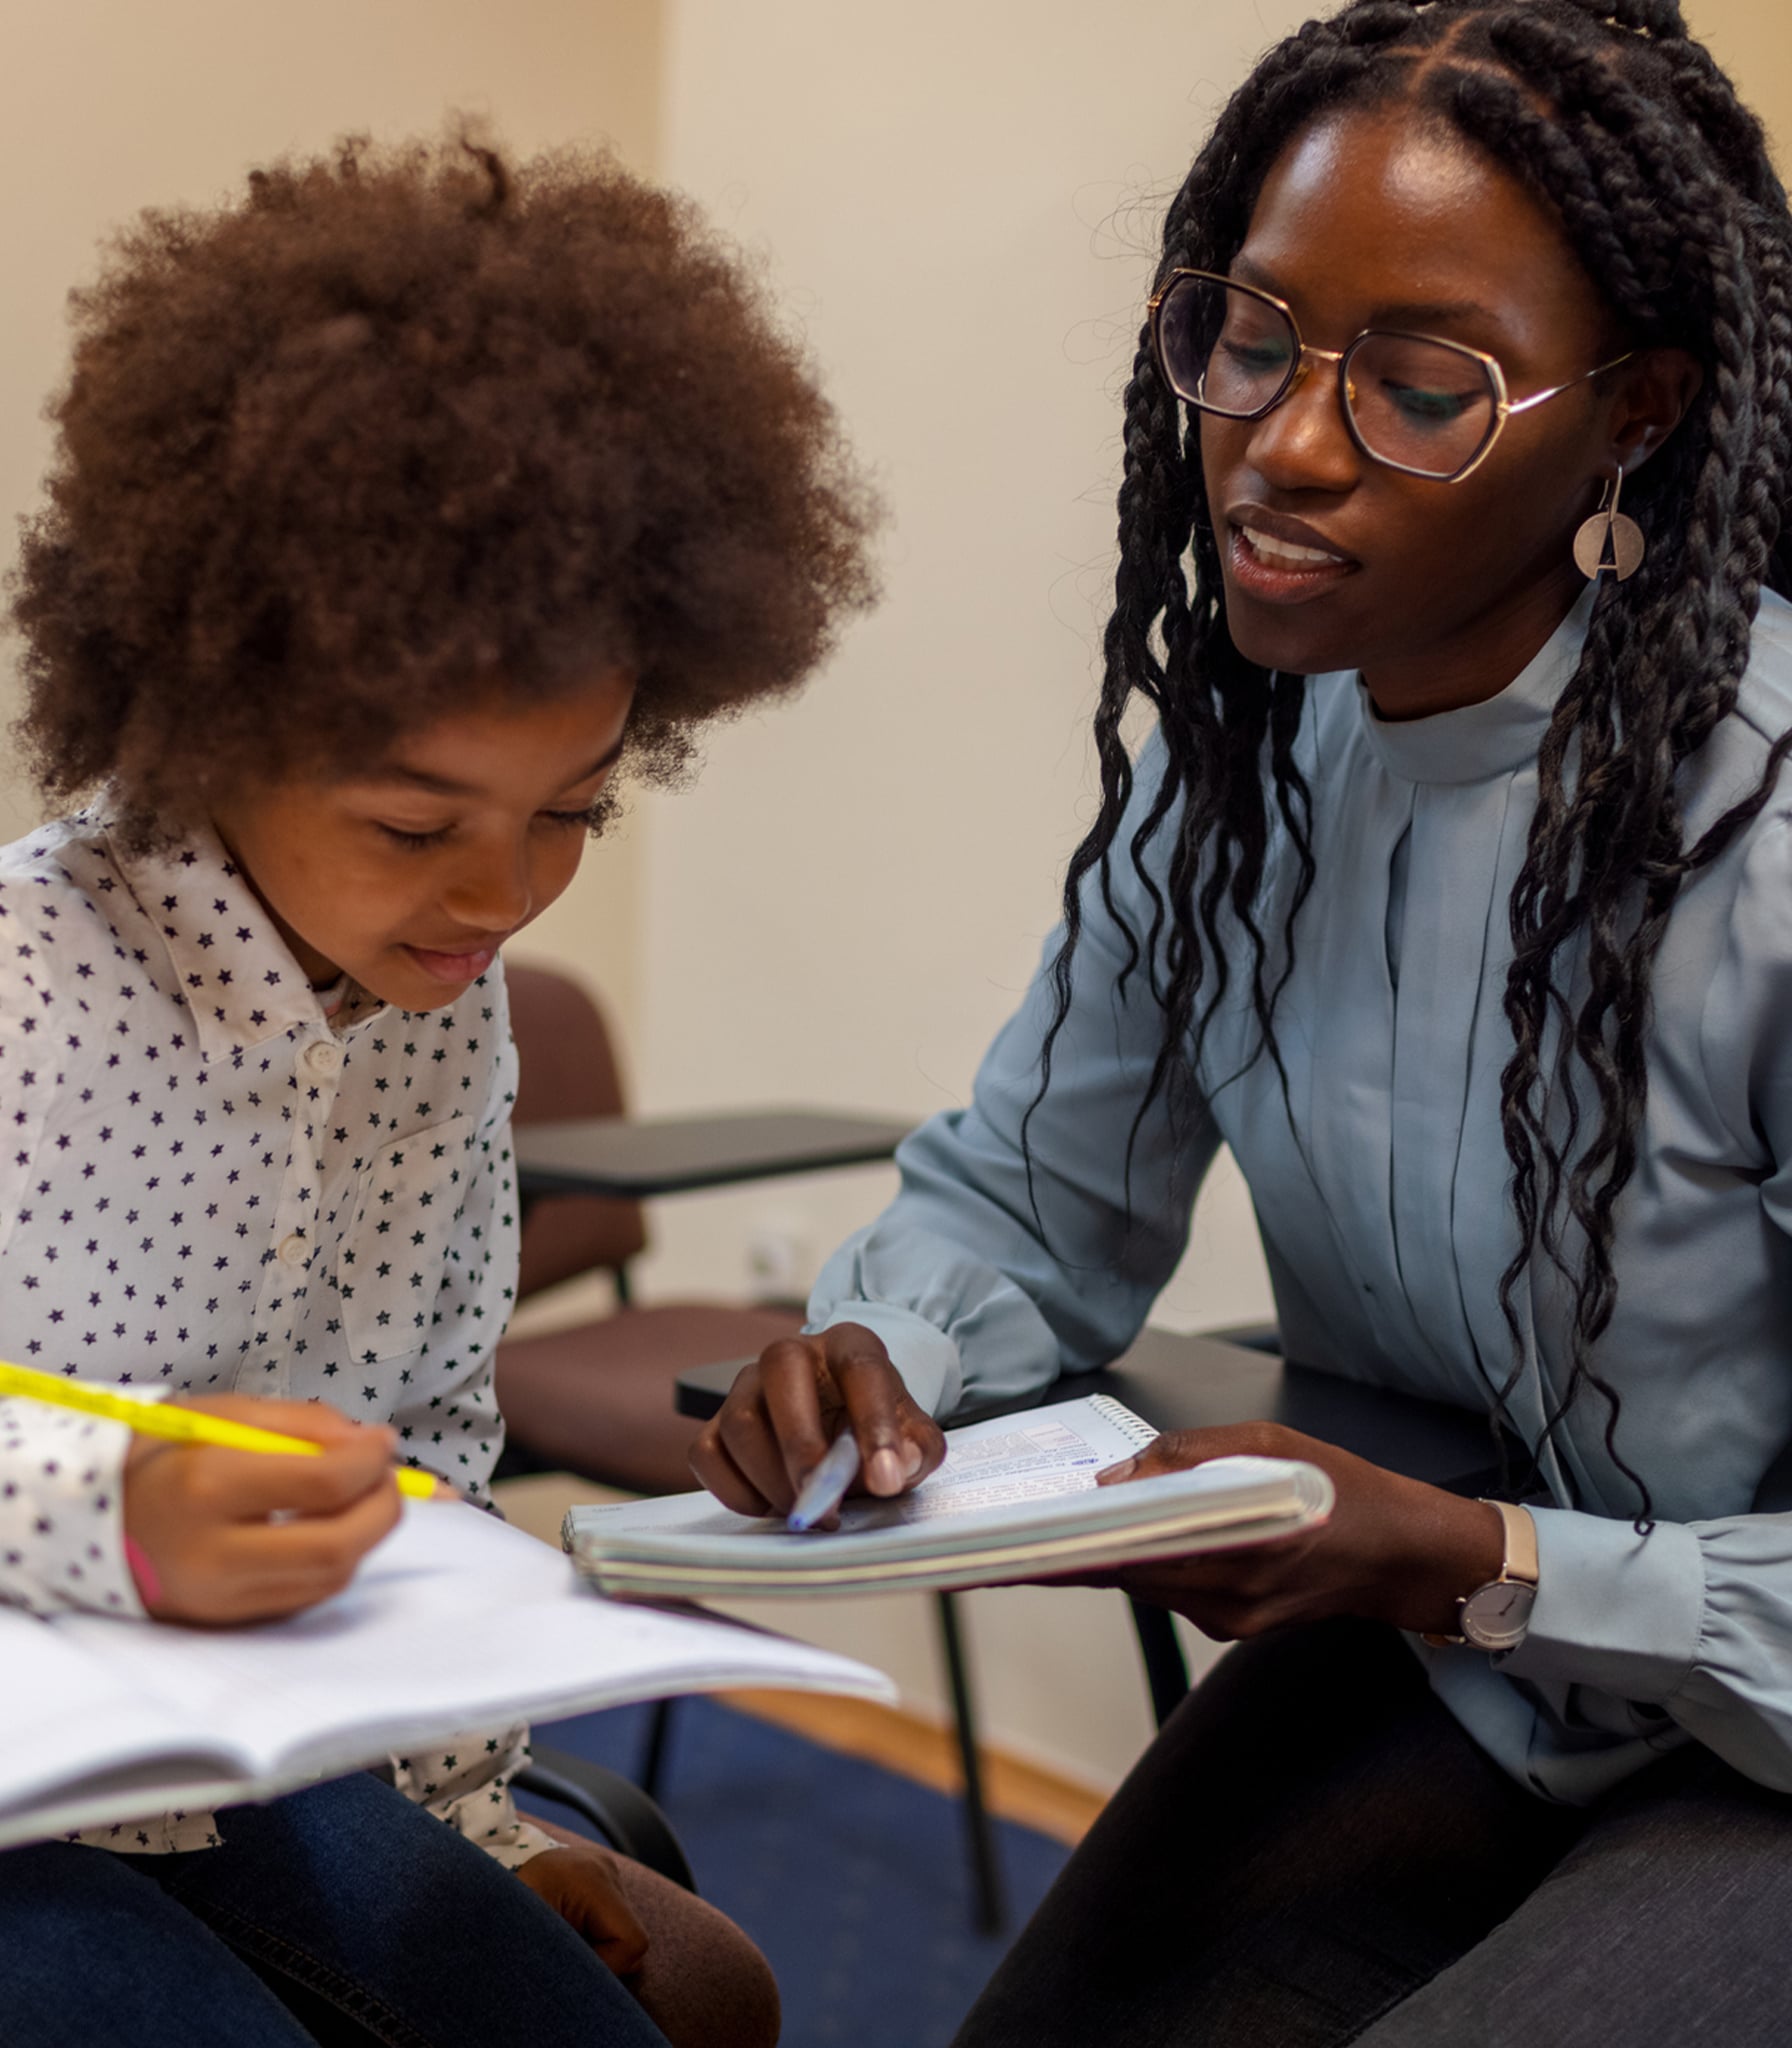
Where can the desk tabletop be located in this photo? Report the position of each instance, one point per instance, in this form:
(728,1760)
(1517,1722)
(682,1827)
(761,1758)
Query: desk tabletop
(1192,1382)
(638,1157)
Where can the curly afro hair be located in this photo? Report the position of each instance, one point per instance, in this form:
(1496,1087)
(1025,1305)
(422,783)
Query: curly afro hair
(402,429)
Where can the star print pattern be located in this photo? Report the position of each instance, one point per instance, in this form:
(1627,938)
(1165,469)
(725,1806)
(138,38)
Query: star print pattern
(211,1183)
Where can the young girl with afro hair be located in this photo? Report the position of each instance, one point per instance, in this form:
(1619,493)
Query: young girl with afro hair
(398,508)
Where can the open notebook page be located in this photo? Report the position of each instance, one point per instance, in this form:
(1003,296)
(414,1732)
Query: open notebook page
(62,1706)
(454,1622)
(454,1613)
(1040,1455)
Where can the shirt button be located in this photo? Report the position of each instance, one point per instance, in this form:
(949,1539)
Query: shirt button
(293,1250)
(324,1056)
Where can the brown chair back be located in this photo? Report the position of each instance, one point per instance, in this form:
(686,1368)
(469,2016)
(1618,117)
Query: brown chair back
(567,1068)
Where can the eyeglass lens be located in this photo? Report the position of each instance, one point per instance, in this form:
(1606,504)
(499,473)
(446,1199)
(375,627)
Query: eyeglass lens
(1423,405)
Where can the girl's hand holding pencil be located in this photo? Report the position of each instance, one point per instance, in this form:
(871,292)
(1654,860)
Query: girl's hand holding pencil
(202,1517)
(237,1509)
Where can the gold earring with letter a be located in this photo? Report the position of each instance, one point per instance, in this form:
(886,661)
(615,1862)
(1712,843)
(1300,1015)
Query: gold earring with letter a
(1610,540)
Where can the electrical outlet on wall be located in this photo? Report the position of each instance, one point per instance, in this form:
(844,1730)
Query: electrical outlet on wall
(778,1261)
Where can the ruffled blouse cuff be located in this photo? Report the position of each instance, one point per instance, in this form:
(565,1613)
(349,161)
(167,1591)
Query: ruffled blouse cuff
(925,1356)
(1615,1610)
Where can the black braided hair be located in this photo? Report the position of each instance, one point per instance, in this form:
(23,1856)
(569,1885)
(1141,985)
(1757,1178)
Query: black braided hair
(1628,131)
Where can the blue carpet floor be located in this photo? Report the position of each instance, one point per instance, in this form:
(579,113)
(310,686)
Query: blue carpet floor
(852,1880)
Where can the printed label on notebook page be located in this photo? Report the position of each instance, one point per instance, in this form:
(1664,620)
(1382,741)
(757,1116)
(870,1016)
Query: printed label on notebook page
(1034,1462)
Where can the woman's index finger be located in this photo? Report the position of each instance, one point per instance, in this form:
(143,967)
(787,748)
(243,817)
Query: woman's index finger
(797,1410)
(878,1407)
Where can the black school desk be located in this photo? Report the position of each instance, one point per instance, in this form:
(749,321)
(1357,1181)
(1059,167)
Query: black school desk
(635,1158)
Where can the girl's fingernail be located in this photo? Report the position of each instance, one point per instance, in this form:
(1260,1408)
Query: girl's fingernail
(1111,1474)
(912,1459)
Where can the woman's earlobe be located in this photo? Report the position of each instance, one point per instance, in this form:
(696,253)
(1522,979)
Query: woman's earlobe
(1635,453)
(1666,382)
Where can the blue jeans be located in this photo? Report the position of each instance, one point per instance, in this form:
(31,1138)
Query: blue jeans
(341,1915)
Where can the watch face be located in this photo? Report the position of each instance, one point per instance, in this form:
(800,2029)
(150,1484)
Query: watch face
(1495,1617)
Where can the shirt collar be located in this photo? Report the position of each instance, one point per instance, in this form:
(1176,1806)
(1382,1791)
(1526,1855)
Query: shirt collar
(231,966)
(1498,736)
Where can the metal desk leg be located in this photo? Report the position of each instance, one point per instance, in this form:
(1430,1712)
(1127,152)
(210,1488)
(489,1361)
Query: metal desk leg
(1166,1669)
(986,1875)
(653,1757)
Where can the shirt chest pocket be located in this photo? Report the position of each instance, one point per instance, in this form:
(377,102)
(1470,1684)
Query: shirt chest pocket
(400,1239)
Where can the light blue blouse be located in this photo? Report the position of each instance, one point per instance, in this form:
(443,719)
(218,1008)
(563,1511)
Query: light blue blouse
(1385,1212)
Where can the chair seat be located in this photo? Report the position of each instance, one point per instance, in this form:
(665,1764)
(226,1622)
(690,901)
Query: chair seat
(597,1399)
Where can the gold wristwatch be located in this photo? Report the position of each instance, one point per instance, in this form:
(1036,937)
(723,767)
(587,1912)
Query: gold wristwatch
(1496,1615)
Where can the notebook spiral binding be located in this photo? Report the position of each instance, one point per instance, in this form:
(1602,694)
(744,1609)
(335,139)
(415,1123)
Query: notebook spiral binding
(1136,1430)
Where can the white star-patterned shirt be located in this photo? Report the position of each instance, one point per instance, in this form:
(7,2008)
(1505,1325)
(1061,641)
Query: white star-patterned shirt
(212,1181)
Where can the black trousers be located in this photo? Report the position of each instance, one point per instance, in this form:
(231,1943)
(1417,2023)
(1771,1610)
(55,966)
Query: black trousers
(1313,1852)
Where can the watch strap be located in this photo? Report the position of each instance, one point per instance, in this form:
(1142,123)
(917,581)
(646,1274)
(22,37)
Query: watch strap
(1521,1543)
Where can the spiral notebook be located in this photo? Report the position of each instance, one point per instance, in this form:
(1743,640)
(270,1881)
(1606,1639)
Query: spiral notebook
(1015,1499)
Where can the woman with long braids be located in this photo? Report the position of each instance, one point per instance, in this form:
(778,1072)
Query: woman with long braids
(1454,893)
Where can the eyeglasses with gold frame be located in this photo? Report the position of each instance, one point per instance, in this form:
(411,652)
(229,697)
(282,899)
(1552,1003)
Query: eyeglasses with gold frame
(1192,311)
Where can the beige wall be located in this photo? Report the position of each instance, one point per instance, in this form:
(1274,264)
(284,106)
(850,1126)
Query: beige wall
(110,105)
(959,203)
(1752,39)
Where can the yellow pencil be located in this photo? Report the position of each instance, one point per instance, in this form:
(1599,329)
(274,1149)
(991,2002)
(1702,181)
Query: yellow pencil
(183,1425)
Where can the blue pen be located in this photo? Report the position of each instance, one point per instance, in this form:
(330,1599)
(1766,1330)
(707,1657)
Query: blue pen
(825,1488)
